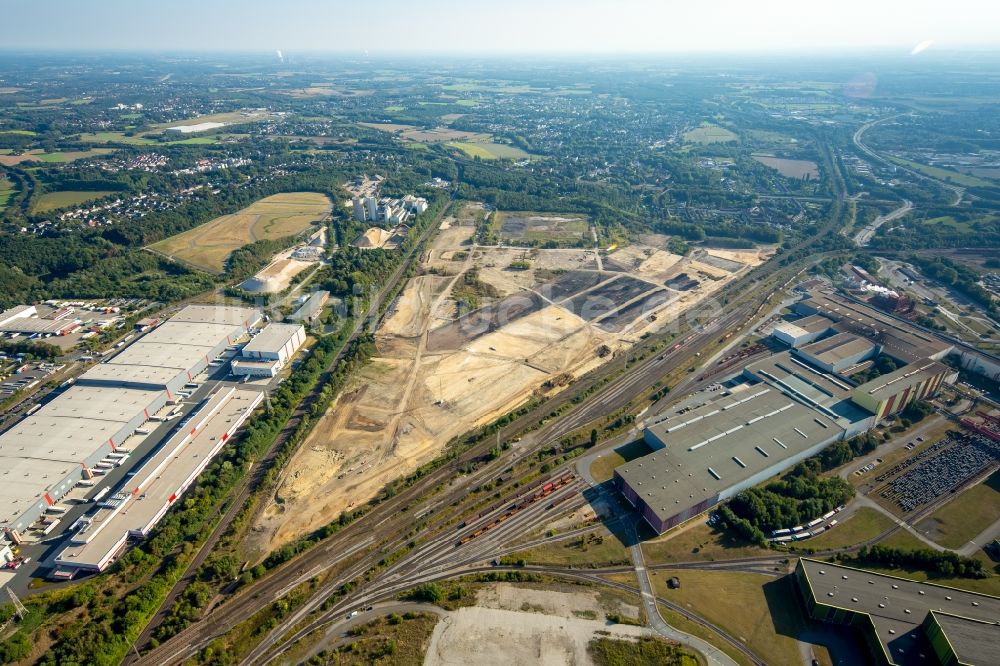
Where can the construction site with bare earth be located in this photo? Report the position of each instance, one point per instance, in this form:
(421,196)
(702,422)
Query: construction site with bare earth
(476,333)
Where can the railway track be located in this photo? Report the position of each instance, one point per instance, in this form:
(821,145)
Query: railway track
(383,522)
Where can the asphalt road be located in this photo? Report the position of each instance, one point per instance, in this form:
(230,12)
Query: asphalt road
(713,655)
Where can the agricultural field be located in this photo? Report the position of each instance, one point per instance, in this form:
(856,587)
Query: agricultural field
(709,133)
(521,226)
(209,245)
(487,150)
(798,169)
(42,156)
(55,200)
(7,192)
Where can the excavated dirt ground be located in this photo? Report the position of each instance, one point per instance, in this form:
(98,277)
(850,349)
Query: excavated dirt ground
(437,376)
(520,625)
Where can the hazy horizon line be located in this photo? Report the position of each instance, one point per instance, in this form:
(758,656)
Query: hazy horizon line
(887,49)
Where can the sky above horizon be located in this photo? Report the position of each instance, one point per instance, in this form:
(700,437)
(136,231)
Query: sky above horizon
(508,26)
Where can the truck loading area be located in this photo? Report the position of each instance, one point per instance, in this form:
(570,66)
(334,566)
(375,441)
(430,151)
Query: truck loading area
(140,502)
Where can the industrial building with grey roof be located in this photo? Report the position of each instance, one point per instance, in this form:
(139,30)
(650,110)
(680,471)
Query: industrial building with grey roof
(46,454)
(838,352)
(897,339)
(776,412)
(710,453)
(903,621)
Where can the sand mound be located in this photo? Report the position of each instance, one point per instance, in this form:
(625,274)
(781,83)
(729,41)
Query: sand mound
(372,238)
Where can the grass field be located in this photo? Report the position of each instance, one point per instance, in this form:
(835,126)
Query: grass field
(709,133)
(947,175)
(603,468)
(393,639)
(949,221)
(41,156)
(864,525)
(697,541)
(489,150)
(644,651)
(19,131)
(961,519)
(119,137)
(6,192)
(759,610)
(53,200)
(209,245)
(115,137)
(678,621)
(389,127)
(771,138)
(586,550)
(394,109)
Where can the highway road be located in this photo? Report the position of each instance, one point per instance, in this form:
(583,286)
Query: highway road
(864,236)
(959,192)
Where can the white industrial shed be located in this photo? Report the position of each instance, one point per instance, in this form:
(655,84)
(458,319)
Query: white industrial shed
(269,351)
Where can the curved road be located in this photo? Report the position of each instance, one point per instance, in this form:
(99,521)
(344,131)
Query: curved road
(959,192)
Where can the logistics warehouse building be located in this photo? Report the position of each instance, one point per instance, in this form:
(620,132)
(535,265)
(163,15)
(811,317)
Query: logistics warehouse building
(903,621)
(47,453)
(136,508)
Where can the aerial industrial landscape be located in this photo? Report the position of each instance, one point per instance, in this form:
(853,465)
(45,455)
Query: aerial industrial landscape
(593,357)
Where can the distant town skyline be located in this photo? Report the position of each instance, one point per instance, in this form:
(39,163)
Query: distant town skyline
(556,26)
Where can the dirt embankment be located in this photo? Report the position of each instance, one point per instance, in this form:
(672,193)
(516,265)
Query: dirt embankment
(439,375)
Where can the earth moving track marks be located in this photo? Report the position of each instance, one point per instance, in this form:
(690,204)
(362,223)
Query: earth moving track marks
(379,520)
(404,401)
(757,278)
